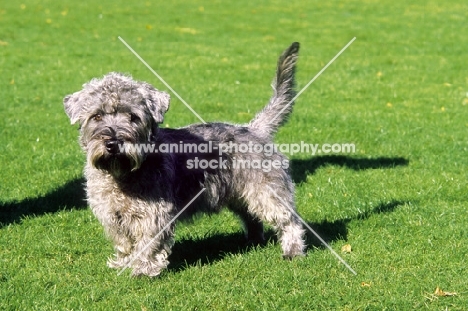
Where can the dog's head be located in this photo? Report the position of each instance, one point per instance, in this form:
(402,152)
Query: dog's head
(116,113)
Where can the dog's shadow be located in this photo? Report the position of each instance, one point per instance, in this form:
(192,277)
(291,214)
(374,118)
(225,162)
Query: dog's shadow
(208,250)
(301,168)
(71,195)
(187,253)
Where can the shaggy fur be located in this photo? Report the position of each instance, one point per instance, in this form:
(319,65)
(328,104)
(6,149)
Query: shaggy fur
(135,193)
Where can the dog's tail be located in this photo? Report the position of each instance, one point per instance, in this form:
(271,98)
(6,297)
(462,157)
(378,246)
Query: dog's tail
(281,103)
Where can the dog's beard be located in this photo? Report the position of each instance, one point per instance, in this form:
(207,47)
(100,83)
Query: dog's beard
(117,164)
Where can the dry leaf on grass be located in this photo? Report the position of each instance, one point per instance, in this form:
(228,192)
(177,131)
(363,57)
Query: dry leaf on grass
(346,248)
(364,284)
(441,293)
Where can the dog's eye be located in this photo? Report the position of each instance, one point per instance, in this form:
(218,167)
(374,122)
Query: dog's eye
(134,118)
(97,117)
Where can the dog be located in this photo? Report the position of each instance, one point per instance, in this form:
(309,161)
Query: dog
(135,193)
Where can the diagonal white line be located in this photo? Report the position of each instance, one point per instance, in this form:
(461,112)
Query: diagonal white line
(161,79)
(315,233)
(314,78)
(160,232)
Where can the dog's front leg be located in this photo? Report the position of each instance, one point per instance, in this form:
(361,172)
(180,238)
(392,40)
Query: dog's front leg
(150,256)
(152,249)
(123,249)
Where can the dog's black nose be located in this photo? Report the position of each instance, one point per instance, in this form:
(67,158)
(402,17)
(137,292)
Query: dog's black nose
(112,146)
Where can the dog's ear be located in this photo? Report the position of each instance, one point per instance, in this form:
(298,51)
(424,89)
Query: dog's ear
(157,102)
(73,107)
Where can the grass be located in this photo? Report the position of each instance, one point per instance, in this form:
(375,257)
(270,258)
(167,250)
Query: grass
(399,93)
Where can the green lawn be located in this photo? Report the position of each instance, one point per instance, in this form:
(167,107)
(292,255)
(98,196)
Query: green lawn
(399,93)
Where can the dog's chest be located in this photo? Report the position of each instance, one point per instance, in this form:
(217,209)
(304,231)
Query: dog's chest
(109,199)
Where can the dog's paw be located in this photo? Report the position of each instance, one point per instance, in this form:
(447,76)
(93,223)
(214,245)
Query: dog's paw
(293,249)
(118,262)
(292,256)
(147,268)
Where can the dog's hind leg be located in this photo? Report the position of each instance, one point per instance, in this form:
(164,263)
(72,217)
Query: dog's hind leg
(253,226)
(277,209)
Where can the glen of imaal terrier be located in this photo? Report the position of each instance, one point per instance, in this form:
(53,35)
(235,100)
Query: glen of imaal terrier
(136,185)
